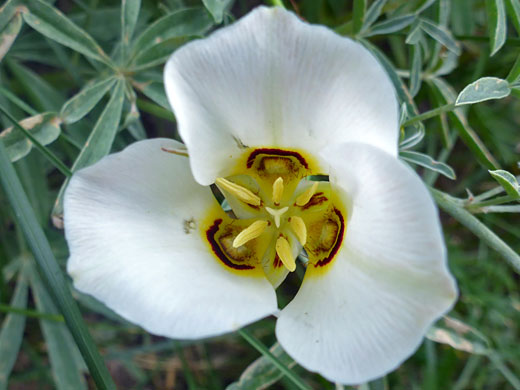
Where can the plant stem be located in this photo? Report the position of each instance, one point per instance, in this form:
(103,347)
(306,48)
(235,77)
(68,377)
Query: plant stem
(429,114)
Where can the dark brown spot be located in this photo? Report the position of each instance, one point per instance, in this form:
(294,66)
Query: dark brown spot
(316,199)
(275,152)
(339,240)
(217,249)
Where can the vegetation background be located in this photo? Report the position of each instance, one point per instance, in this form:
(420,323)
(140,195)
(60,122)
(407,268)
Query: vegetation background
(82,78)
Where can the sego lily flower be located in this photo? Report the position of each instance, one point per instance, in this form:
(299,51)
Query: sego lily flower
(268,108)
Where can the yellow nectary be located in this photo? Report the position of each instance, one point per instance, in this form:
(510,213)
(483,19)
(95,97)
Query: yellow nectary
(277,209)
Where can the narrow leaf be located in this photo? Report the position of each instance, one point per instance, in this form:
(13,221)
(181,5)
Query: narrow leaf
(508,182)
(497,24)
(12,331)
(391,25)
(485,88)
(82,103)
(514,73)
(9,34)
(513,10)
(466,133)
(100,140)
(262,373)
(186,22)
(460,336)
(155,92)
(40,247)
(216,8)
(441,35)
(44,127)
(8,10)
(98,144)
(50,22)
(358,17)
(429,163)
(373,13)
(66,363)
(129,14)
(415,70)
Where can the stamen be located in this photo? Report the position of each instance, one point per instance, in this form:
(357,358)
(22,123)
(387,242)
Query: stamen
(240,192)
(299,228)
(277,213)
(179,152)
(304,198)
(277,190)
(283,250)
(251,232)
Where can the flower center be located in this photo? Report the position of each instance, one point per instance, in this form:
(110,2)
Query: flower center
(278,213)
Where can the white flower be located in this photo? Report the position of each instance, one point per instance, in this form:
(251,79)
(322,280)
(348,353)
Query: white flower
(263,106)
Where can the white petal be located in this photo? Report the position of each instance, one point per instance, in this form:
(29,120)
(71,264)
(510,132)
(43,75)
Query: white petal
(365,315)
(131,222)
(271,80)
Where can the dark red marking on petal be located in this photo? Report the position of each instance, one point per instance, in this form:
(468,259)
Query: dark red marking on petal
(277,263)
(316,199)
(210,234)
(337,245)
(275,152)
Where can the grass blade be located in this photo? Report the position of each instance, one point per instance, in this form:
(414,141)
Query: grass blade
(66,363)
(12,331)
(295,379)
(53,275)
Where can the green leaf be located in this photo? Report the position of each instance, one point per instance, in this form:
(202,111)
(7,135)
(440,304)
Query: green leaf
(50,22)
(497,24)
(12,331)
(441,35)
(44,127)
(98,144)
(485,88)
(8,10)
(157,54)
(262,373)
(28,223)
(82,103)
(100,140)
(427,162)
(42,94)
(9,34)
(129,14)
(154,91)
(391,25)
(466,133)
(514,73)
(183,23)
(66,362)
(374,11)
(513,10)
(415,70)
(460,336)
(360,7)
(415,34)
(216,8)
(508,182)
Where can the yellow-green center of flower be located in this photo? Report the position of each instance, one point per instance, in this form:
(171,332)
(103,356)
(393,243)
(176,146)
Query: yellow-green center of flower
(278,212)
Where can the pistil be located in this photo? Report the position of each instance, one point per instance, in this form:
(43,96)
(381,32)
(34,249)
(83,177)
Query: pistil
(277,213)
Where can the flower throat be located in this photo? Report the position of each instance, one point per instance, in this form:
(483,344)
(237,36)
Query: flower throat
(277,212)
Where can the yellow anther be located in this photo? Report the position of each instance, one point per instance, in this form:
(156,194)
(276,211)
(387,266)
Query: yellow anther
(284,252)
(277,190)
(299,228)
(240,192)
(304,198)
(251,232)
